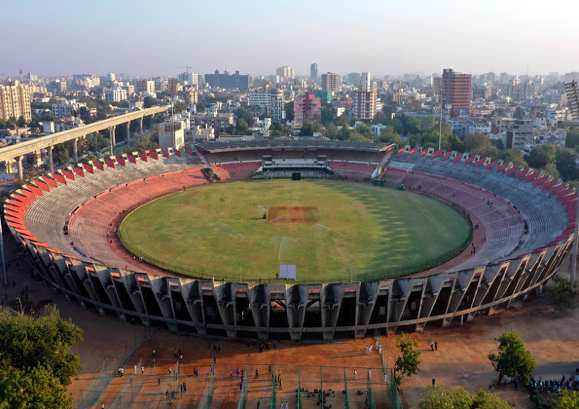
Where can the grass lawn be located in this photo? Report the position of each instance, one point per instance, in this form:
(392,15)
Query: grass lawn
(318,225)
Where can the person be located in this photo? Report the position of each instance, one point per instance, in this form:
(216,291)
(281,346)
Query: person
(181,357)
(102,406)
(238,372)
(135,368)
(369,373)
(380,349)
(185,387)
(154,353)
(281,405)
(270,369)
(256,373)
(159,382)
(286,405)
(433,382)
(142,369)
(436,345)
(258,404)
(170,370)
(355,374)
(432,346)
(176,355)
(214,361)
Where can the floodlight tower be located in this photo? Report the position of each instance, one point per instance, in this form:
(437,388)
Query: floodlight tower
(572,89)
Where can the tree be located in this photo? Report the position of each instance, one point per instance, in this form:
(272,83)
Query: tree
(242,128)
(309,128)
(513,156)
(21,122)
(37,365)
(407,364)
(519,113)
(149,102)
(327,115)
(541,155)
(289,111)
(500,112)
(566,163)
(569,401)
(480,144)
(414,105)
(562,293)
(513,358)
(551,169)
(442,397)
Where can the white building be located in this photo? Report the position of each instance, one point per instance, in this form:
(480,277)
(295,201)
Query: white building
(115,94)
(172,134)
(65,109)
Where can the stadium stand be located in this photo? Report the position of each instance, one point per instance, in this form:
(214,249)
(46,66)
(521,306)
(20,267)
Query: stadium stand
(61,222)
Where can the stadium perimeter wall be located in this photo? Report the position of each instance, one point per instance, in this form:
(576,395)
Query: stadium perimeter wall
(298,311)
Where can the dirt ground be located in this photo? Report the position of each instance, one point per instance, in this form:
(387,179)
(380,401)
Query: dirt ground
(461,359)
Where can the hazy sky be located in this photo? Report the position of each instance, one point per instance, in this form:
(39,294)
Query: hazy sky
(145,37)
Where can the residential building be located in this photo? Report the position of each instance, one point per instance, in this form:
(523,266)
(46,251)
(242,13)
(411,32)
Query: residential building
(286,72)
(502,124)
(277,111)
(364,101)
(227,80)
(173,86)
(456,92)
(261,98)
(314,72)
(65,109)
(307,108)
(520,134)
(15,101)
(330,82)
(115,94)
(145,87)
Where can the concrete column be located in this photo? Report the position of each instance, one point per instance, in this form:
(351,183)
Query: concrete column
(75,150)
(50,159)
(128,132)
(19,165)
(113,142)
(141,125)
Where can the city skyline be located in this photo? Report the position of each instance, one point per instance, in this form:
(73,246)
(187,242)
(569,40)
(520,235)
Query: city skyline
(150,39)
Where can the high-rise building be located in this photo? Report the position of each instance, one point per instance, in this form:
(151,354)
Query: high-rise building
(364,101)
(456,92)
(307,108)
(145,86)
(354,78)
(330,82)
(277,111)
(227,81)
(15,101)
(173,86)
(314,72)
(286,72)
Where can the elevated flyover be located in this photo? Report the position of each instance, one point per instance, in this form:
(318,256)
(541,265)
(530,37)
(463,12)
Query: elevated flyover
(18,150)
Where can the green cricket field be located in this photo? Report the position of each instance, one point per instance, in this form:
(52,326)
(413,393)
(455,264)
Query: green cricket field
(331,230)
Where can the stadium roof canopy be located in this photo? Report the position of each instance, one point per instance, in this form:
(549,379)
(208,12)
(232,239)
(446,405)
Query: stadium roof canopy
(292,143)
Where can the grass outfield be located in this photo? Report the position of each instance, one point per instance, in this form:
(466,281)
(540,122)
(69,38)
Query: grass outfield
(319,225)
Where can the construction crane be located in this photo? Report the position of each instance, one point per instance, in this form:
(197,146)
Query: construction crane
(187,67)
